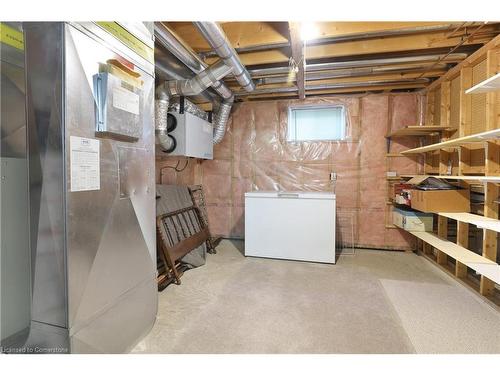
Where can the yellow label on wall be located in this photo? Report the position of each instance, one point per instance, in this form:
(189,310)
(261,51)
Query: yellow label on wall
(131,41)
(11,36)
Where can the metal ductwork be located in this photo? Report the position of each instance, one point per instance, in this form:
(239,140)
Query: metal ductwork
(217,39)
(220,118)
(172,42)
(329,86)
(341,73)
(200,82)
(361,63)
(161,125)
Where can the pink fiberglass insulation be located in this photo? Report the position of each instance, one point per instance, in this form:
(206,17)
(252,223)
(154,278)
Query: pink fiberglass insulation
(255,155)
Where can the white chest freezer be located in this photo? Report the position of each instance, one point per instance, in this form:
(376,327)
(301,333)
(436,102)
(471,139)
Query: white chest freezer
(290,225)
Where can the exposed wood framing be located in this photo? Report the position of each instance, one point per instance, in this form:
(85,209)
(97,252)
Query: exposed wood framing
(469,61)
(492,167)
(298,56)
(442,258)
(462,240)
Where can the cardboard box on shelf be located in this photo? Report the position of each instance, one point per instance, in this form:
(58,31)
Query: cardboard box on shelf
(412,220)
(438,200)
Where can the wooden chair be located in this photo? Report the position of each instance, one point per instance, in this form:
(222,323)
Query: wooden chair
(179,232)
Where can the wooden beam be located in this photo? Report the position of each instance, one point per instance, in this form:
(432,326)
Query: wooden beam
(445,103)
(334,29)
(399,45)
(298,56)
(240,34)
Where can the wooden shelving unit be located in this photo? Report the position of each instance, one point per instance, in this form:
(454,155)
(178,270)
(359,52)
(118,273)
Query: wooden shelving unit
(418,131)
(480,137)
(494,179)
(467,99)
(488,85)
(477,220)
(462,255)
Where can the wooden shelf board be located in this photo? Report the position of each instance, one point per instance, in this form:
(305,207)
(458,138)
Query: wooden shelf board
(488,85)
(418,131)
(490,271)
(462,178)
(477,220)
(479,137)
(472,260)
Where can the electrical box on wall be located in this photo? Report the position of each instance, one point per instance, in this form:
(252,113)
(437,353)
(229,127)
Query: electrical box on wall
(192,135)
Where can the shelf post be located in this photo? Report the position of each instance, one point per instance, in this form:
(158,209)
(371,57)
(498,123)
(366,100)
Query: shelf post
(465,102)
(462,240)
(442,258)
(492,167)
(492,62)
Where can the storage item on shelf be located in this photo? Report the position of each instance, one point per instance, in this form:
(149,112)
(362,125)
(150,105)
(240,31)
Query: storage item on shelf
(432,195)
(401,193)
(403,198)
(412,220)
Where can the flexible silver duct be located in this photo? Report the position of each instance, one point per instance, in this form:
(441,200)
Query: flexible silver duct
(200,82)
(161,110)
(217,39)
(360,63)
(221,116)
(171,41)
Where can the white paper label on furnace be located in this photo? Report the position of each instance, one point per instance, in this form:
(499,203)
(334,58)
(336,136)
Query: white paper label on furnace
(84,164)
(126,100)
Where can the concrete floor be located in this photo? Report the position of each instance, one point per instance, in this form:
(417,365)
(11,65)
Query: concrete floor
(372,302)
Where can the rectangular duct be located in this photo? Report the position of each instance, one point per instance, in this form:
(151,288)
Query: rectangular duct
(92,192)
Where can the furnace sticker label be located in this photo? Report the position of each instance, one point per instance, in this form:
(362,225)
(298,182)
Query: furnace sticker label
(125,100)
(84,164)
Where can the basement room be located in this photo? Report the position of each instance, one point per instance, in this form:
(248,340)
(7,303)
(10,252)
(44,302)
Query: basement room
(215,183)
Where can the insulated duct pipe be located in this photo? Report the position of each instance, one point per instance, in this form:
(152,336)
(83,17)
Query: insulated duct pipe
(171,41)
(166,142)
(191,87)
(221,116)
(215,36)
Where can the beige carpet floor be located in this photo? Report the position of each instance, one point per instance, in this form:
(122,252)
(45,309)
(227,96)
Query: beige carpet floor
(372,302)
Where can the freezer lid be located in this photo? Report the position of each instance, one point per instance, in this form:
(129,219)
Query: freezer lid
(290,194)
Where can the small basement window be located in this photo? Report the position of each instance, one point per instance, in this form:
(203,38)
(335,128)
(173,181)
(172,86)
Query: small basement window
(316,124)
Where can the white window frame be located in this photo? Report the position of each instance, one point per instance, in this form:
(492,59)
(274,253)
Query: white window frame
(312,107)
